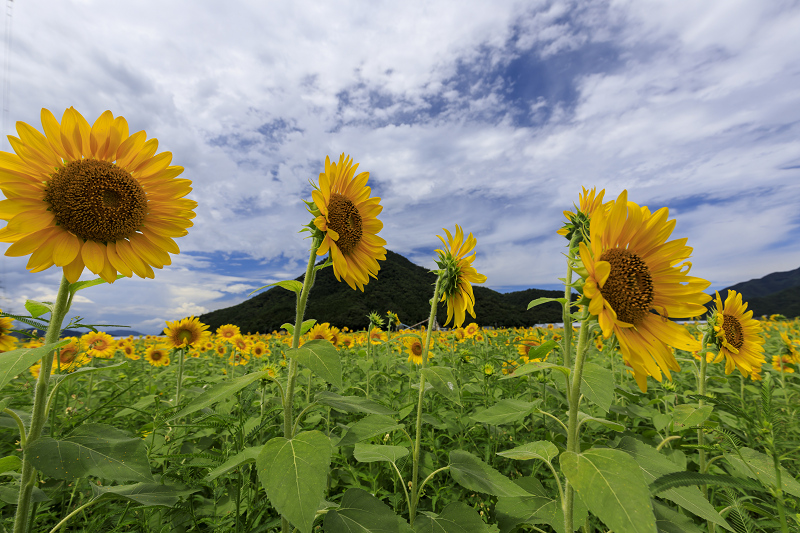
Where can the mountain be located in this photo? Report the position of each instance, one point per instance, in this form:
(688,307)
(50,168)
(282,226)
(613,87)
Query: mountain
(402,287)
(776,293)
(71,333)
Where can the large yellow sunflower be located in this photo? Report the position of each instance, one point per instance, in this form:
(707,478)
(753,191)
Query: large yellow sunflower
(91,196)
(187,332)
(737,335)
(349,218)
(635,279)
(459,275)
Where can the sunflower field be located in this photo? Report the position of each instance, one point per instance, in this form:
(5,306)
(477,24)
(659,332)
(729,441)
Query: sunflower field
(642,412)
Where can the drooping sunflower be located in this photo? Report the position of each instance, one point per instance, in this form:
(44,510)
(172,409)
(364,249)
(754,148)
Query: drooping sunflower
(7,341)
(737,335)
(635,279)
(349,218)
(459,274)
(100,345)
(91,196)
(187,332)
(157,355)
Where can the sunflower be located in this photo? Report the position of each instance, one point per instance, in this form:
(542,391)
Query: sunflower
(241,344)
(7,341)
(378,336)
(227,331)
(414,347)
(737,335)
(221,349)
(238,358)
(781,363)
(157,355)
(579,220)
(91,196)
(634,281)
(349,219)
(100,345)
(459,274)
(260,350)
(70,357)
(128,350)
(471,330)
(320,331)
(790,348)
(525,345)
(188,332)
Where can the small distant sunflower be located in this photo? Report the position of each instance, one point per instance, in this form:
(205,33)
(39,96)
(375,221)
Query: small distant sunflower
(128,350)
(737,335)
(221,349)
(346,341)
(227,331)
(7,341)
(241,343)
(336,335)
(157,355)
(260,350)
(459,274)
(525,345)
(782,363)
(238,358)
(100,345)
(69,357)
(790,348)
(188,332)
(414,347)
(349,219)
(635,279)
(320,331)
(471,330)
(378,336)
(91,196)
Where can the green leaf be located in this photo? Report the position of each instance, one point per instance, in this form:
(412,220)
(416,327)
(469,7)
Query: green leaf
(763,470)
(361,512)
(367,427)
(597,384)
(457,517)
(442,379)
(92,450)
(4,402)
(473,474)
(687,479)
(654,465)
(322,358)
(612,486)
(686,416)
(146,494)
(37,309)
(616,426)
(505,411)
(248,455)
(370,453)
(289,284)
(544,450)
(294,473)
(304,327)
(14,362)
(536,508)
(10,463)
(536,366)
(10,495)
(669,521)
(351,404)
(540,301)
(219,392)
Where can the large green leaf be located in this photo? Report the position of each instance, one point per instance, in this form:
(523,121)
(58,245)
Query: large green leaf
(294,472)
(597,384)
(322,358)
(361,512)
(10,463)
(443,380)
(10,495)
(538,507)
(457,517)
(473,474)
(367,427)
(352,404)
(289,284)
(686,416)
(219,392)
(15,362)
(762,469)
(505,411)
(543,449)
(370,453)
(92,450)
(655,465)
(536,366)
(248,455)
(612,486)
(147,494)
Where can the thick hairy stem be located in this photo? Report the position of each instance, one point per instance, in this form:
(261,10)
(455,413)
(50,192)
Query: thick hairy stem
(412,511)
(39,413)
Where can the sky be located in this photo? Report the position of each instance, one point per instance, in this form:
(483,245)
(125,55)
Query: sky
(490,115)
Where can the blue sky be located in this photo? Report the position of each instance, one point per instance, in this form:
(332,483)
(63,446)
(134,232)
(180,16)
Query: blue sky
(488,115)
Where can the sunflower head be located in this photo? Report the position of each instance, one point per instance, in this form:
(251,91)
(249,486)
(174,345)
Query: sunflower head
(578,221)
(457,274)
(346,222)
(91,196)
(737,335)
(375,319)
(7,341)
(186,333)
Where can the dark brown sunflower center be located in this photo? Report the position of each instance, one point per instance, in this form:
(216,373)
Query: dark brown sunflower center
(416,348)
(96,200)
(156,355)
(629,287)
(344,219)
(733,331)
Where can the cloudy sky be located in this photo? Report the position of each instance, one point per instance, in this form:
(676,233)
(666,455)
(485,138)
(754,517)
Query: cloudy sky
(491,115)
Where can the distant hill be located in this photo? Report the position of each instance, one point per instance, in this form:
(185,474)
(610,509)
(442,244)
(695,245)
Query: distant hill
(402,287)
(71,333)
(776,293)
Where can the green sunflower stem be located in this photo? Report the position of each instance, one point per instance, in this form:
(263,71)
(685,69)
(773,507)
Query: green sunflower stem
(415,493)
(39,413)
(179,384)
(701,434)
(573,440)
(567,308)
